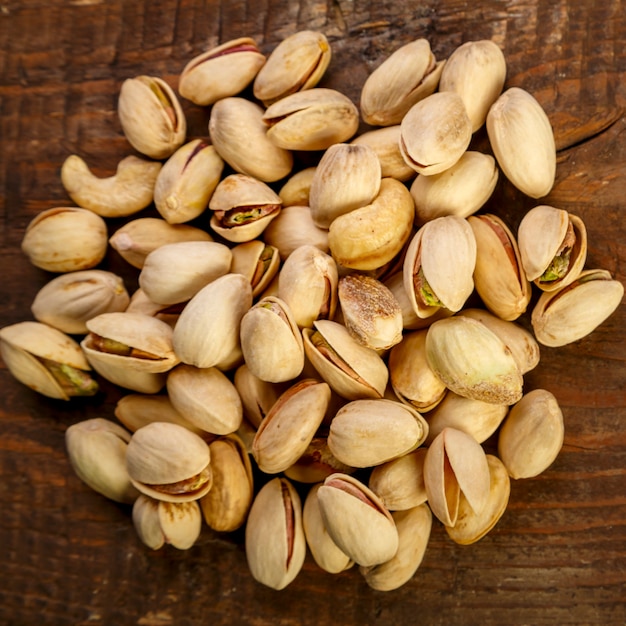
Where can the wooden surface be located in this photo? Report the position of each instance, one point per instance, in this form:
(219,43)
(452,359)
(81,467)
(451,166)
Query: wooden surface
(68,556)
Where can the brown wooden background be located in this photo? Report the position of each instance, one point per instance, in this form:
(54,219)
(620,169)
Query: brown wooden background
(68,556)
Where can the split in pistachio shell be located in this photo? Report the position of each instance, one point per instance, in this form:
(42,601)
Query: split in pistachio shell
(65,239)
(140,303)
(297,63)
(357,521)
(476,70)
(531,437)
(439,265)
(238,133)
(151,116)
(157,522)
(314,119)
(221,72)
(522,140)
(46,360)
(553,246)
(435,133)
(404,78)
(499,276)
(137,238)
(168,462)
(257,261)
(97,452)
(473,361)
(572,312)
(460,190)
(470,526)
(347,177)
(257,396)
(295,192)
(455,463)
(175,272)
(129,191)
(414,526)
(317,462)
(187,181)
(67,301)
(274,542)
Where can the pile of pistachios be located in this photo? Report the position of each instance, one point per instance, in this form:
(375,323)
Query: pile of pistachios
(316,328)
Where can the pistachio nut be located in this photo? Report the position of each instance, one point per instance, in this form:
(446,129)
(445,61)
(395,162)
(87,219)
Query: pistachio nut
(297,63)
(414,526)
(168,462)
(220,72)
(572,312)
(67,301)
(65,239)
(295,192)
(317,462)
(46,360)
(274,541)
(404,78)
(522,140)
(257,396)
(455,464)
(175,523)
(257,261)
(356,520)
(97,452)
(238,133)
(129,191)
(187,181)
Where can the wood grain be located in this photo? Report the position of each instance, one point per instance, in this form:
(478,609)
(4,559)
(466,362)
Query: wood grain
(558,555)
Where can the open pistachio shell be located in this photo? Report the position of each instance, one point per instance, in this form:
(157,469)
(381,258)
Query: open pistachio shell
(257,261)
(257,396)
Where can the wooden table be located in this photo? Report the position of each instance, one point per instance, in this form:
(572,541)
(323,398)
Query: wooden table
(69,556)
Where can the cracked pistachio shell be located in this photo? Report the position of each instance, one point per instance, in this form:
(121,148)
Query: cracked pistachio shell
(473,361)
(399,483)
(295,192)
(316,463)
(226,506)
(356,520)
(187,181)
(498,276)
(67,301)
(572,312)
(439,265)
(371,236)
(168,462)
(365,433)
(287,430)
(476,70)
(414,526)
(297,63)
(175,272)
(46,360)
(314,119)
(151,116)
(412,380)
(129,191)
(207,331)
(221,72)
(522,140)
(455,464)
(323,549)
(257,396)
(140,303)
(553,246)
(206,397)
(470,527)
(257,261)
(435,133)
(352,370)
(137,238)
(404,78)
(175,523)
(65,239)
(531,436)
(238,133)
(475,417)
(307,283)
(460,190)
(97,452)
(274,541)
(271,341)
(347,177)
